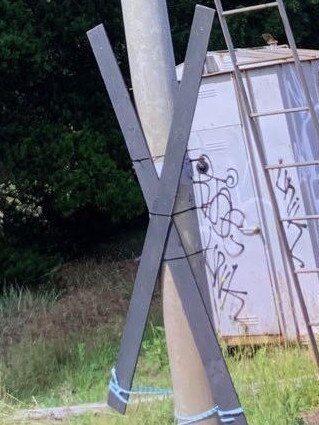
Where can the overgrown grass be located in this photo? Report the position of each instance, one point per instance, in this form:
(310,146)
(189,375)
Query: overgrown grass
(275,384)
(17,308)
(68,366)
(76,371)
(14,301)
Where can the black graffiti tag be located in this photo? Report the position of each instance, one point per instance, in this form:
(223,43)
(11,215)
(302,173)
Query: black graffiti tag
(224,221)
(285,185)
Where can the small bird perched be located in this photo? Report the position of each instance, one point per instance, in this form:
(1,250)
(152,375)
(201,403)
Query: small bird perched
(269,39)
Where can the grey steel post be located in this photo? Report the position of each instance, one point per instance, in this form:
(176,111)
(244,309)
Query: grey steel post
(155,86)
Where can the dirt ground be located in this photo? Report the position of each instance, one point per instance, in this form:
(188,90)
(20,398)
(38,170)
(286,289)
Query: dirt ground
(311,418)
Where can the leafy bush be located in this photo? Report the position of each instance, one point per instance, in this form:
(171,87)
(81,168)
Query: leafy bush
(26,265)
(67,182)
(76,202)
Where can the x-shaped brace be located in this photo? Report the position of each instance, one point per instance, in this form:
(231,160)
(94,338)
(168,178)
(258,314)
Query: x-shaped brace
(163,233)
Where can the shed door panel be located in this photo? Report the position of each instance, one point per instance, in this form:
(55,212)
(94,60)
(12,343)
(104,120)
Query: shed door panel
(237,268)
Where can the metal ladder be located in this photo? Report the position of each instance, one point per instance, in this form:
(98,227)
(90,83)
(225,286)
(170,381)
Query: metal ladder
(251,124)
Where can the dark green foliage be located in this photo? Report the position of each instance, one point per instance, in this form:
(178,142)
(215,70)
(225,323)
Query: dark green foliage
(246,29)
(28,265)
(67,182)
(67,179)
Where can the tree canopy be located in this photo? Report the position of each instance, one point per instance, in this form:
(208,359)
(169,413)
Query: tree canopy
(66,179)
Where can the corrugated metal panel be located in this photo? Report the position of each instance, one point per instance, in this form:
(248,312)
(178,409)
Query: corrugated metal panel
(248,58)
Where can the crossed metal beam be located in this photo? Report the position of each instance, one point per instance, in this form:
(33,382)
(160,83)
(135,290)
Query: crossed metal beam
(165,232)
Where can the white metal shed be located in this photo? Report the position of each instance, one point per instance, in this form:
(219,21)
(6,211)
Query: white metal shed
(250,292)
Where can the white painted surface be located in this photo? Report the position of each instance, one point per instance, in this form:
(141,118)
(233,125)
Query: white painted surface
(237,269)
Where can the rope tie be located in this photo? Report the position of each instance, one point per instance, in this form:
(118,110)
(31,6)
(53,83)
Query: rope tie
(120,392)
(226,416)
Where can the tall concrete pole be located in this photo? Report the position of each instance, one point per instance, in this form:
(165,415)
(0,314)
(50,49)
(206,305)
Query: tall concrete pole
(153,75)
